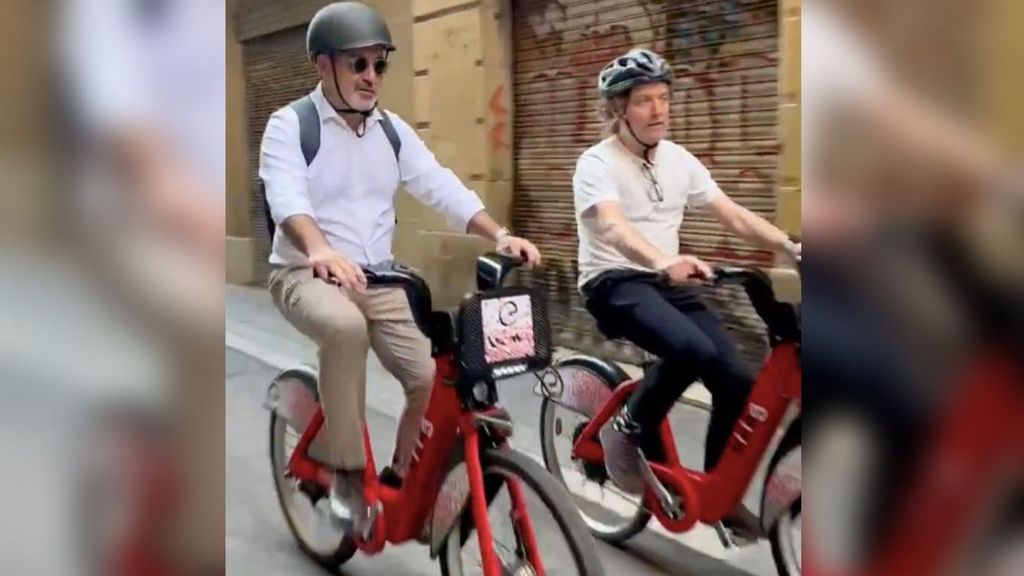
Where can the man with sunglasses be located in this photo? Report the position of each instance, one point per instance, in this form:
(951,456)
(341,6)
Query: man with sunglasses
(630,193)
(337,216)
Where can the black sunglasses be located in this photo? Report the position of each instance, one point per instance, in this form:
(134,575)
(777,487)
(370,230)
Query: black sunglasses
(359,64)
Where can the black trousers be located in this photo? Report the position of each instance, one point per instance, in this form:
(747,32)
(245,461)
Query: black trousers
(671,323)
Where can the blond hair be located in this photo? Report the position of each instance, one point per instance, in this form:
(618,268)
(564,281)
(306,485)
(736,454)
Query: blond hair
(610,111)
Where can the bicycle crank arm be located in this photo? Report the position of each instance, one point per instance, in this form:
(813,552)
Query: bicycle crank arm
(668,502)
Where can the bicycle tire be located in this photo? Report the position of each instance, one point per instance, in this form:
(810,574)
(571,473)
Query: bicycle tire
(553,496)
(346,548)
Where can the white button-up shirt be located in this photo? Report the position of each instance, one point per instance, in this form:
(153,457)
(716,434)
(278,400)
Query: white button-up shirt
(349,188)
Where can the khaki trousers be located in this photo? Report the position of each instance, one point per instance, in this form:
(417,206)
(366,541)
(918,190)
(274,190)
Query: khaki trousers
(345,325)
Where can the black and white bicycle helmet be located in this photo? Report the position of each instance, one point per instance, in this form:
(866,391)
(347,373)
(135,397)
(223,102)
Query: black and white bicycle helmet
(636,67)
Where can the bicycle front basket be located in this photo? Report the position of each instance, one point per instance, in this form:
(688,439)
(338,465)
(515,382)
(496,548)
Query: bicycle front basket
(503,333)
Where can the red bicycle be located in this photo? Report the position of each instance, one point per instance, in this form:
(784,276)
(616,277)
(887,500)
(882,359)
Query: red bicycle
(582,393)
(464,475)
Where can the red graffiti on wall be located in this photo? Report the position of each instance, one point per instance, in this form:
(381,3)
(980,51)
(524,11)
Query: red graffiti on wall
(499,113)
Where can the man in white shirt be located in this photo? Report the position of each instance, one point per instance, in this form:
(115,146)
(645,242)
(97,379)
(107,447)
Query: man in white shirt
(630,193)
(336,216)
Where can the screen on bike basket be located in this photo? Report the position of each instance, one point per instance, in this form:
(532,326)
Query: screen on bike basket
(502,333)
(507,328)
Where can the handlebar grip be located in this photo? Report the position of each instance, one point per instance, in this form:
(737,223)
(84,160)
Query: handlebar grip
(514,259)
(724,274)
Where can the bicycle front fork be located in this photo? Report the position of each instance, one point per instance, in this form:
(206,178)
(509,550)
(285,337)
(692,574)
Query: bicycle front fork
(519,514)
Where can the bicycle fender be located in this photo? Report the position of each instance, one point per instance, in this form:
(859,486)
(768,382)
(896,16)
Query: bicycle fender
(293,395)
(581,383)
(281,393)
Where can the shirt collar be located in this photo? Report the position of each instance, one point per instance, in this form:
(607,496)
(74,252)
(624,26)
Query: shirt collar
(327,112)
(633,157)
(621,147)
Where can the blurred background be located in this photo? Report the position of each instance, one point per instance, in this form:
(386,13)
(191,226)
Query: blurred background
(912,211)
(112,291)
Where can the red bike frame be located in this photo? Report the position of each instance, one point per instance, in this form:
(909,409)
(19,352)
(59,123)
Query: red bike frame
(406,510)
(709,497)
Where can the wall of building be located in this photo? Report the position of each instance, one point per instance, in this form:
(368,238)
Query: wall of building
(241,252)
(788,201)
(462,110)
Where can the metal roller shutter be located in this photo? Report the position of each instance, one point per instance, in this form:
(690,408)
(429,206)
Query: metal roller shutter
(724,110)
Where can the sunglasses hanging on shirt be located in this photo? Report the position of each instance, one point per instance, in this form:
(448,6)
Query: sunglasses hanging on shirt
(653,180)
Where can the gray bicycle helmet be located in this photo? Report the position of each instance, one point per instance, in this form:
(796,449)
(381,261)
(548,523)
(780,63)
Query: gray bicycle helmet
(346,26)
(636,67)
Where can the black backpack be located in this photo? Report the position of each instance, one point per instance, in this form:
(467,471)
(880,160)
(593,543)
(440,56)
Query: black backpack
(309,139)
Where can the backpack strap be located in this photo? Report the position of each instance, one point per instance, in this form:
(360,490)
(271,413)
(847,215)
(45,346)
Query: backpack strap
(309,127)
(396,142)
(390,132)
(309,141)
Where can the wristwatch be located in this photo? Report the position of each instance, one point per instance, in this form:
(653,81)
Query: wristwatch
(789,248)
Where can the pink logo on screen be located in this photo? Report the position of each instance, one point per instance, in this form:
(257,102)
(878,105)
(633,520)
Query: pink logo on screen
(508,329)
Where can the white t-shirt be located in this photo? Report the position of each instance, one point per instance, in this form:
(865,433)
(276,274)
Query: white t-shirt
(608,171)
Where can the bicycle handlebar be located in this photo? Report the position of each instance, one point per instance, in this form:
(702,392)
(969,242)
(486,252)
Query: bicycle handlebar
(721,275)
(780,318)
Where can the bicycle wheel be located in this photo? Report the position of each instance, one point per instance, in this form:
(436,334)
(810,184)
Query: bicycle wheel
(564,545)
(305,507)
(611,514)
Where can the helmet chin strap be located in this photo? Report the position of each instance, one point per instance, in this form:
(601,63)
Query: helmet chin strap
(647,147)
(349,110)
